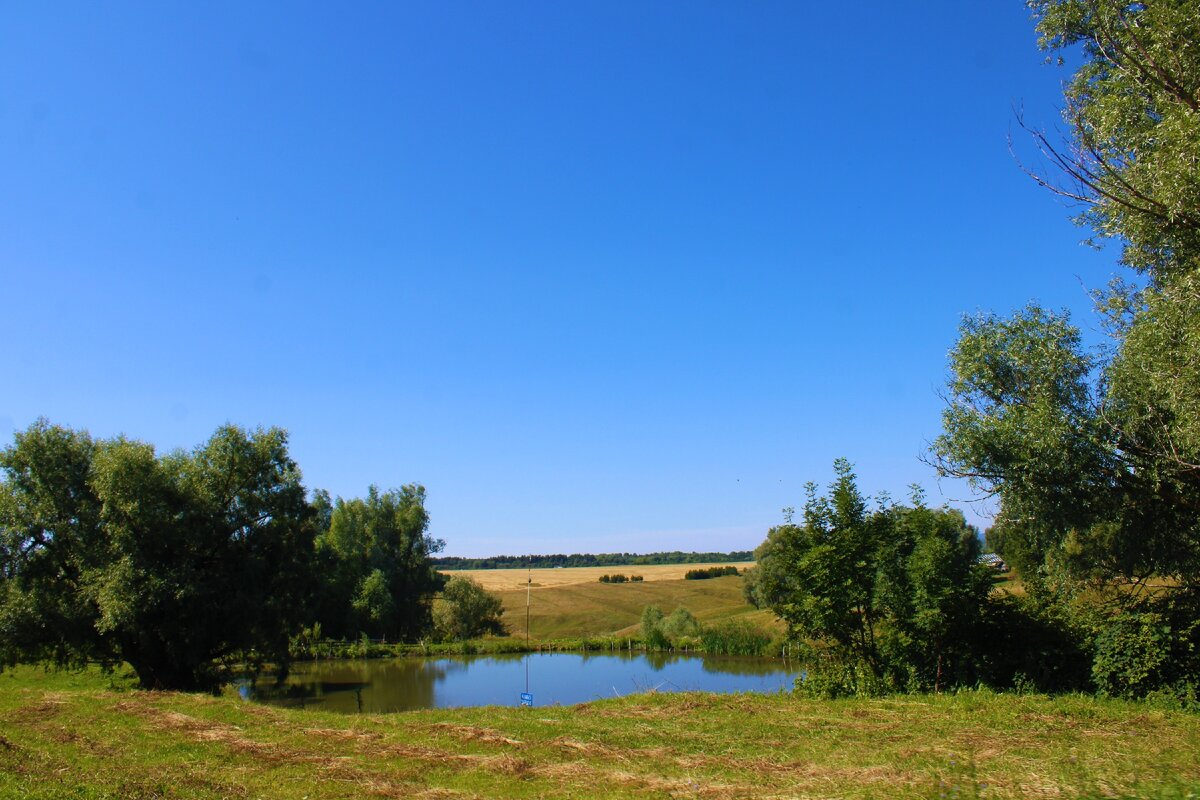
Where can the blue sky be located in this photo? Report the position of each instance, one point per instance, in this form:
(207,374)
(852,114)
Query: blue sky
(601,276)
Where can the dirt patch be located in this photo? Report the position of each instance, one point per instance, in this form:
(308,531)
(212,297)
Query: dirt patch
(49,706)
(344,734)
(473,734)
(584,748)
(230,736)
(5,744)
(686,787)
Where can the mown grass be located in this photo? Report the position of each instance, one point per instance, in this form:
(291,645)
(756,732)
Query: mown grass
(602,609)
(87,736)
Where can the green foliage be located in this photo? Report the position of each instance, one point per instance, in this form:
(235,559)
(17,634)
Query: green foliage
(1133,114)
(897,591)
(830,677)
(618,578)
(652,633)
(375,554)
(679,624)
(467,611)
(1096,457)
(1095,474)
(735,637)
(931,592)
(828,569)
(709,572)
(1026,644)
(179,564)
(766,584)
(1153,647)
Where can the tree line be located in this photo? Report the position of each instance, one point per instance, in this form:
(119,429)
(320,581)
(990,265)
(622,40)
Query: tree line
(589,560)
(189,565)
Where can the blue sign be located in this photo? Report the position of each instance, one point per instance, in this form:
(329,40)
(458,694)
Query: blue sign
(526,699)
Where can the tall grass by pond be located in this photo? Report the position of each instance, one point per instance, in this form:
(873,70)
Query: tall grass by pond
(735,638)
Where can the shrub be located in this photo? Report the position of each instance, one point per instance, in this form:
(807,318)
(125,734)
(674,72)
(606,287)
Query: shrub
(466,610)
(709,572)
(735,638)
(1151,649)
(680,623)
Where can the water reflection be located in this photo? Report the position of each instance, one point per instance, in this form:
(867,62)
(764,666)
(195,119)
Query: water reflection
(386,685)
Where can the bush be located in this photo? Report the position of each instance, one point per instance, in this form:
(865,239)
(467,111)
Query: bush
(1151,649)
(679,624)
(735,638)
(614,579)
(466,611)
(709,572)
(831,678)
(1023,644)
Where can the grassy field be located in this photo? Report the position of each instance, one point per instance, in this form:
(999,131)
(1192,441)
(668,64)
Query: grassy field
(85,736)
(572,602)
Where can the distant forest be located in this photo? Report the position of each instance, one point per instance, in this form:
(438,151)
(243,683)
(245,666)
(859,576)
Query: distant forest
(590,560)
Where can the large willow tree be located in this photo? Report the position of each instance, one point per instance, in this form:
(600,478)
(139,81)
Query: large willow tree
(182,565)
(1095,454)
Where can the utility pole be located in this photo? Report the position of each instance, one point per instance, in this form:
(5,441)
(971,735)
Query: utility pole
(528,589)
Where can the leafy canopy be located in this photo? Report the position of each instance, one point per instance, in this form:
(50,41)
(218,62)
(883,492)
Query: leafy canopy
(467,611)
(375,555)
(897,590)
(179,564)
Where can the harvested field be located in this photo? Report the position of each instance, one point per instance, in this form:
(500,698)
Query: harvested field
(508,579)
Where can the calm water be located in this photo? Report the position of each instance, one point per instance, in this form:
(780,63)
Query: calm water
(400,684)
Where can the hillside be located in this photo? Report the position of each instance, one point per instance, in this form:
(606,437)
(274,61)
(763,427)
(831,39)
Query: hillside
(572,602)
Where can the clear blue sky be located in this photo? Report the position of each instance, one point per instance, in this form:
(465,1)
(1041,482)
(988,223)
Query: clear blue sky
(602,276)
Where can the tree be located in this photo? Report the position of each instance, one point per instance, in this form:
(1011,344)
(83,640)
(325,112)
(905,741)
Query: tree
(181,565)
(931,591)
(1096,457)
(652,633)
(895,591)
(376,555)
(680,623)
(1095,463)
(1133,114)
(467,611)
(827,572)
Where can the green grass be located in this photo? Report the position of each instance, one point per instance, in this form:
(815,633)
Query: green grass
(602,609)
(68,735)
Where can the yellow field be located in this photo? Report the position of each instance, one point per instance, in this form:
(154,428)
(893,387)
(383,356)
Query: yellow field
(571,601)
(495,580)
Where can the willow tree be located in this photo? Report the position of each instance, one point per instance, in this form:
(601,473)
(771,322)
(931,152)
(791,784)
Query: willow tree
(1094,455)
(182,564)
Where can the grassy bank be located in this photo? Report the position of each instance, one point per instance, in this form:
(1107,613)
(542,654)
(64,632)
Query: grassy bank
(88,736)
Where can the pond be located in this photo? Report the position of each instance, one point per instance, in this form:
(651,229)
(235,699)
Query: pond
(401,684)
